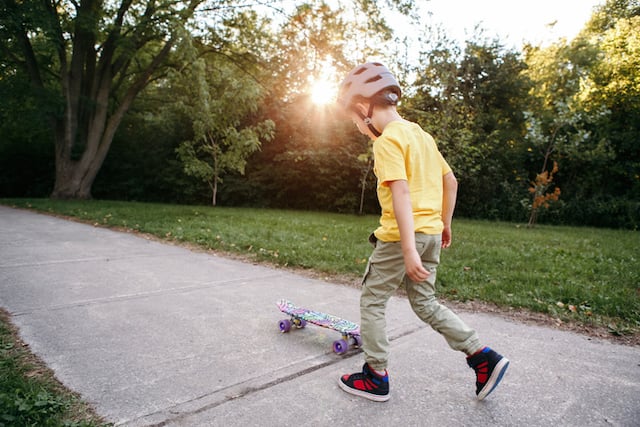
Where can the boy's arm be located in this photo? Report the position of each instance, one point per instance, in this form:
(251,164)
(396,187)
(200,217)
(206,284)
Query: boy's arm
(450,186)
(404,216)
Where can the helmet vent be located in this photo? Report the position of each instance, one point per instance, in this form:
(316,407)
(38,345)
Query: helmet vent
(372,81)
(360,71)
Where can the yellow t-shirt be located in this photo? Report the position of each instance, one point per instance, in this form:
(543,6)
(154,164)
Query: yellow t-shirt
(405,151)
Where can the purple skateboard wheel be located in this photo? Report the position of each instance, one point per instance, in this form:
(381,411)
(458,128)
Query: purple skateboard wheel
(340,346)
(285,325)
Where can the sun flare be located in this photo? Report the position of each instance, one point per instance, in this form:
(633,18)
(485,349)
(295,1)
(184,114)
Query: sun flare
(323,92)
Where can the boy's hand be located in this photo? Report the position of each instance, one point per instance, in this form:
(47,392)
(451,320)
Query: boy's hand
(414,267)
(446,237)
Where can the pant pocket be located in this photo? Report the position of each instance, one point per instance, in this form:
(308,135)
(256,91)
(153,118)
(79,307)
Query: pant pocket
(367,271)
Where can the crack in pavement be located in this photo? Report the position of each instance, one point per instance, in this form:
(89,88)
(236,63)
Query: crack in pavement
(141,295)
(240,390)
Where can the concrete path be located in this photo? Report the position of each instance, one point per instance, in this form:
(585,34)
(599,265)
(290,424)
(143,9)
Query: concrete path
(154,334)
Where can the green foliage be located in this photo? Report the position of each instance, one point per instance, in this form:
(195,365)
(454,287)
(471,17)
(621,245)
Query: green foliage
(29,398)
(16,180)
(602,211)
(314,167)
(19,407)
(142,163)
(587,118)
(96,57)
(499,116)
(472,104)
(26,154)
(221,105)
(593,270)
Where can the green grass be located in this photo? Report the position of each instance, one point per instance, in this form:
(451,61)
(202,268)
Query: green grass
(584,274)
(590,276)
(29,395)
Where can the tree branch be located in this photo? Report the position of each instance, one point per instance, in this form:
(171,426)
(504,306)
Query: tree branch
(20,32)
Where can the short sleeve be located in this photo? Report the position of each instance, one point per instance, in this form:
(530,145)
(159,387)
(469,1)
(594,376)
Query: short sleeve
(389,157)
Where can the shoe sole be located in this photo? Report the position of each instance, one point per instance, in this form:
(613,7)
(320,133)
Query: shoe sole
(355,392)
(495,378)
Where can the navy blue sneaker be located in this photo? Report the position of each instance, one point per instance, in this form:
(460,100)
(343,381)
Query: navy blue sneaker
(490,368)
(366,384)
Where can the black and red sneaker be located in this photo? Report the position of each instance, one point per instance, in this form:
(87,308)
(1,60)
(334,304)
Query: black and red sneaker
(366,384)
(490,367)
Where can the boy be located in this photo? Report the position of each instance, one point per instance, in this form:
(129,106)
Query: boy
(417,193)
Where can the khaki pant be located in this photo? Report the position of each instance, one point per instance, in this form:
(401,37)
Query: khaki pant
(384,275)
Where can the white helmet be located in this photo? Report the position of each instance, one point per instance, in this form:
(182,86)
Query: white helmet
(373,82)
(367,81)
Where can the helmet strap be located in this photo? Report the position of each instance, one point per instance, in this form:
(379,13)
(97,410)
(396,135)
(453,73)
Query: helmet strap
(367,120)
(372,128)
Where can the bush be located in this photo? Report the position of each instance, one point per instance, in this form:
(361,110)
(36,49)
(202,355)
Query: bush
(611,212)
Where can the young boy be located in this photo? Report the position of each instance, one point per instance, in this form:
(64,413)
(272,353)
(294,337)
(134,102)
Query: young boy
(417,193)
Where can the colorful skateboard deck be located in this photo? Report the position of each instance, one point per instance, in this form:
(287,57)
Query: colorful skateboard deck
(299,317)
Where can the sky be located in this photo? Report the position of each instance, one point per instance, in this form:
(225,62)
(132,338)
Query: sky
(513,21)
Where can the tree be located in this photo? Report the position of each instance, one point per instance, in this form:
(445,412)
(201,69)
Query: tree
(585,111)
(472,101)
(96,56)
(219,103)
(610,89)
(87,60)
(540,194)
(312,163)
(366,166)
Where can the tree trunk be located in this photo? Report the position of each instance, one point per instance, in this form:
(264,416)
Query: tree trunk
(214,191)
(533,218)
(71,181)
(363,183)
(216,173)
(94,132)
(75,177)
(102,68)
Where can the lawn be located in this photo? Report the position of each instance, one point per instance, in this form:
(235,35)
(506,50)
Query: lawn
(585,275)
(29,393)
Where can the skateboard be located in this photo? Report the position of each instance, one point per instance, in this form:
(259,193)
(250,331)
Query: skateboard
(299,317)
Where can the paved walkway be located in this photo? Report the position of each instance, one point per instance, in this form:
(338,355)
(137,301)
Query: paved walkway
(154,334)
